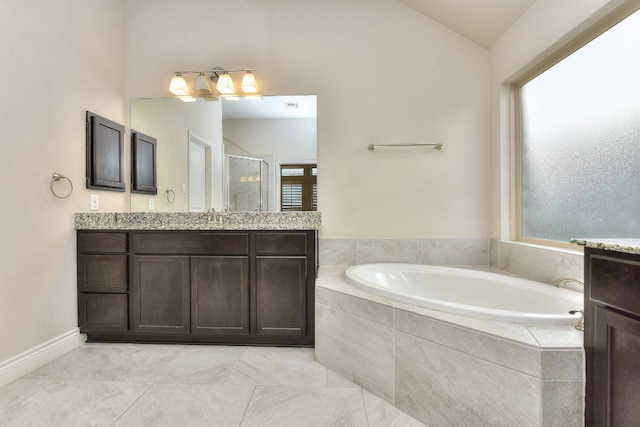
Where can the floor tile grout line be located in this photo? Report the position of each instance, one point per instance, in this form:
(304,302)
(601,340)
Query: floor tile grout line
(47,383)
(132,403)
(326,377)
(244,414)
(364,406)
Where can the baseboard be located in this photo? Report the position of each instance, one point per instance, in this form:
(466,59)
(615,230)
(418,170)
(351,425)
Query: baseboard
(40,355)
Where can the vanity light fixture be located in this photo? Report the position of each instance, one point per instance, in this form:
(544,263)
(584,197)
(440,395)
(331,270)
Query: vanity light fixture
(178,85)
(203,87)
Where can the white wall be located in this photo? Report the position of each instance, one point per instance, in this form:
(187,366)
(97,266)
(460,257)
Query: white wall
(57,60)
(383,74)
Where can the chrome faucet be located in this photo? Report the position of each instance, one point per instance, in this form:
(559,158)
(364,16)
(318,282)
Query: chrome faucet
(580,325)
(572,283)
(222,214)
(212,216)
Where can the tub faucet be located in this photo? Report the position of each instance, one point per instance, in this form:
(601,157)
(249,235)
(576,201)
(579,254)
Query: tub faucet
(572,283)
(580,325)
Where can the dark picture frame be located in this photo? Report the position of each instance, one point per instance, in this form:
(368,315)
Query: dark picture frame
(143,163)
(105,153)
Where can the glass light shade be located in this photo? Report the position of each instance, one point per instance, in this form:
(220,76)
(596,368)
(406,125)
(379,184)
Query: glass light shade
(202,85)
(225,84)
(178,86)
(249,83)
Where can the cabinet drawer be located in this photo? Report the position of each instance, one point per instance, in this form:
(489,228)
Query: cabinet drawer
(191,243)
(281,243)
(616,282)
(90,241)
(103,312)
(102,273)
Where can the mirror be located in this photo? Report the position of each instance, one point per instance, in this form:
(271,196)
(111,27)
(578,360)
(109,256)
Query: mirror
(224,153)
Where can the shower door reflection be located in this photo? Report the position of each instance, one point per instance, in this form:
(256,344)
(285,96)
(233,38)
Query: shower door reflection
(245,183)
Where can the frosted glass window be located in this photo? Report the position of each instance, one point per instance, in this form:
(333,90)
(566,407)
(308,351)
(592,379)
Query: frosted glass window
(580,142)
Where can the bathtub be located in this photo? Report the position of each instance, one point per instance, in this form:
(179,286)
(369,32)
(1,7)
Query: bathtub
(470,292)
(452,369)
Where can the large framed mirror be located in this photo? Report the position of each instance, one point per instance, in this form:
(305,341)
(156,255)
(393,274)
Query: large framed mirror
(225,153)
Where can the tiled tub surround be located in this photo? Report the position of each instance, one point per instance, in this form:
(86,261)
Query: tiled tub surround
(450,251)
(532,262)
(539,263)
(197,221)
(446,369)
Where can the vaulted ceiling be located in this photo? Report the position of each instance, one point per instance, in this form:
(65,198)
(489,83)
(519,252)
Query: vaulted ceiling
(481,21)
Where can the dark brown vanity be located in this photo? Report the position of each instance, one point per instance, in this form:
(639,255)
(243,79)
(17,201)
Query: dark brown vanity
(612,332)
(197,286)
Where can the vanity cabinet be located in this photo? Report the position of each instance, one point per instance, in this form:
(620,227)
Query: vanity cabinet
(242,287)
(612,338)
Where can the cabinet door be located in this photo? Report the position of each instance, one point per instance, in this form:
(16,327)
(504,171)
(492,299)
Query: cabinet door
(616,377)
(161,294)
(220,295)
(281,295)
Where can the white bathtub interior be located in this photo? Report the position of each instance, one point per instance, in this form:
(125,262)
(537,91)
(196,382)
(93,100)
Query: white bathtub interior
(470,292)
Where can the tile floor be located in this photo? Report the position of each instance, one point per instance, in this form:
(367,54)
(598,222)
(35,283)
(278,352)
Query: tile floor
(163,385)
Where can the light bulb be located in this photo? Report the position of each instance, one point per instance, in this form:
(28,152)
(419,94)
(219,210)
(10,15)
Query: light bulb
(225,84)
(202,85)
(178,86)
(249,83)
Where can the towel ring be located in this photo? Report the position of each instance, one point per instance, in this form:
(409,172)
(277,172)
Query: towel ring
(57,177)
(171,195)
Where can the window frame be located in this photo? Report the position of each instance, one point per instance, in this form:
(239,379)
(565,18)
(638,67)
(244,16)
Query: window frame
(584,34)
(308,180)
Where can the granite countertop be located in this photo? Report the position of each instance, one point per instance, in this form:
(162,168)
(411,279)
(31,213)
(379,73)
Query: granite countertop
(630,246)
(197,221)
